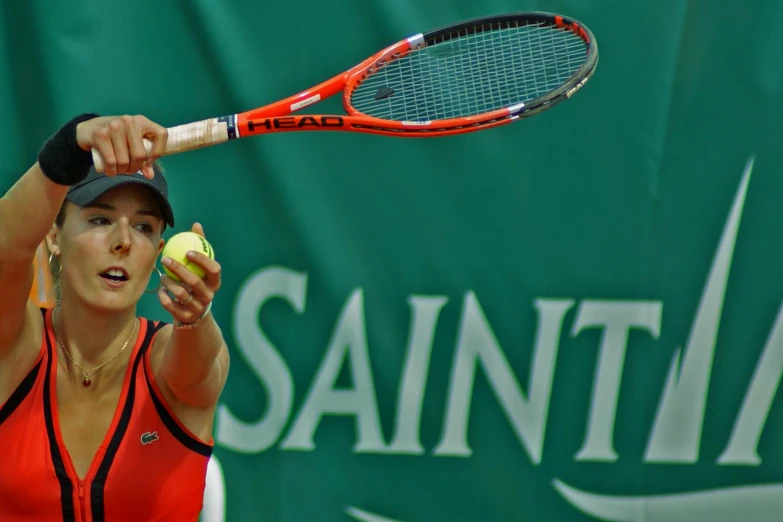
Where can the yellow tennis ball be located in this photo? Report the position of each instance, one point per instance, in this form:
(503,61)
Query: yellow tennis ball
(177,248)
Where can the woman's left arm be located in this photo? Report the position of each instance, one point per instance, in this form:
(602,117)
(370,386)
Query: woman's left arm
(195,361)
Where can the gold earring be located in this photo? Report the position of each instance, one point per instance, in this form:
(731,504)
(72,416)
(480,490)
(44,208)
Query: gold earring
(160,282)
(51,257)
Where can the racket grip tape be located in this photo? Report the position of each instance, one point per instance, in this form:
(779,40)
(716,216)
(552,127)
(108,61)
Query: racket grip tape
(182,138)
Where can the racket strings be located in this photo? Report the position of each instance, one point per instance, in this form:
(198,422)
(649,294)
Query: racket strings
(475,72)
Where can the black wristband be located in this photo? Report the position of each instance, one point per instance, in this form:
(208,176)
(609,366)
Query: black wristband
(61,158)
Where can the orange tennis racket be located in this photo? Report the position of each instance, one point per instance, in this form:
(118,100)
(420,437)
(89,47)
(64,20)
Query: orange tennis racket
(462,78)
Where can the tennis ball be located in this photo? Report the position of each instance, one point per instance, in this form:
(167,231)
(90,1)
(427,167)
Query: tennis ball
(177,248)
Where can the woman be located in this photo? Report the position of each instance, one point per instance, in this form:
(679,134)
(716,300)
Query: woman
(103,415)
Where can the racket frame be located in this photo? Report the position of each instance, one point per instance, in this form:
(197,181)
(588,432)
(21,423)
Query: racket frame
(276,117)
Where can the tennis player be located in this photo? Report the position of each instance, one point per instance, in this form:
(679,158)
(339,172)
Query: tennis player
(104,416)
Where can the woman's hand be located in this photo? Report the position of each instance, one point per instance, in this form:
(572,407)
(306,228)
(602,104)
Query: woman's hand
(192,295)
(119,139)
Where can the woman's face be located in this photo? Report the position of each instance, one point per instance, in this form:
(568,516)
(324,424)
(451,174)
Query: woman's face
(108,249)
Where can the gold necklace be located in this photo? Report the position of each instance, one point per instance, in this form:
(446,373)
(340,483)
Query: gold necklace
(86,381)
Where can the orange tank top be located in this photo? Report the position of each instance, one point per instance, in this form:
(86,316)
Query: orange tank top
(149,466)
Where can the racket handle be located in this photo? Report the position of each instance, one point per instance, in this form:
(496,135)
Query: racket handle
(182,138)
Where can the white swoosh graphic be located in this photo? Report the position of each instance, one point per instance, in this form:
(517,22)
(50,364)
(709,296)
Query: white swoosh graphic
(761,503)
(676,434)
(366,516)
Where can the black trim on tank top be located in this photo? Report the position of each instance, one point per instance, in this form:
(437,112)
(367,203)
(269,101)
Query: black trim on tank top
(19,394)
(99,482)
(186,440)
(66,487)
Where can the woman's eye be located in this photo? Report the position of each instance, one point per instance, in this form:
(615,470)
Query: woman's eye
(145,228)
(99,221)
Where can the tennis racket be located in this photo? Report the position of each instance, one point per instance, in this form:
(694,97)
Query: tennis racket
(470,76)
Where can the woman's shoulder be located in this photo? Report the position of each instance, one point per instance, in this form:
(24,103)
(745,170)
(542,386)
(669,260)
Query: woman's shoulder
(17,362)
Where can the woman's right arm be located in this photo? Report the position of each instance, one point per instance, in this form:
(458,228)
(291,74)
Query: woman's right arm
(29,208)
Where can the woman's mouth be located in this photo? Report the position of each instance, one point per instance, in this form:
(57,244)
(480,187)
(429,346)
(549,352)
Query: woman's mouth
(115,274)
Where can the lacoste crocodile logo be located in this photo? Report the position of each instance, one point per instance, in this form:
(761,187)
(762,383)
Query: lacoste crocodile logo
(149,437)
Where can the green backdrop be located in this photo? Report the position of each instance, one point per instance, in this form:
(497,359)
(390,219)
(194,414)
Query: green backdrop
(572,318)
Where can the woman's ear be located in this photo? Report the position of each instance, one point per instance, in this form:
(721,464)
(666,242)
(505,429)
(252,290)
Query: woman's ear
(161,245)
(53,240)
